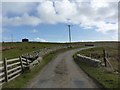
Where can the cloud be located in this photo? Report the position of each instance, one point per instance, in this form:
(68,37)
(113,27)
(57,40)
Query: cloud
(103,27)
(39,39)
(88,15)
(25,19)
(22,0)
(101,14)
(17,8)
(47,12)
(60,0)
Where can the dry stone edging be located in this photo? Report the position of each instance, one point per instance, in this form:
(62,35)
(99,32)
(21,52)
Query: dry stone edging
(88,60)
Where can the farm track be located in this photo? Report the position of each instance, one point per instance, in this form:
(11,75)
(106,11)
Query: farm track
(62,72)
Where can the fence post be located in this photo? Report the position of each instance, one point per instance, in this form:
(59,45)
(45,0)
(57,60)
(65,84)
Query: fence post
(5,70)
(27,61)
(21,64)
(104,57)
(27,64)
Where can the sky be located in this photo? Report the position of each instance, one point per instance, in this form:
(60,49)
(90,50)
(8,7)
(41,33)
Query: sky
(47,20)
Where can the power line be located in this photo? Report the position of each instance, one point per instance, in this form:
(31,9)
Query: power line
(55,7)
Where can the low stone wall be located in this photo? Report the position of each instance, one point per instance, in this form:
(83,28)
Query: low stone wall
(35,62)
(88,60)
(39,53)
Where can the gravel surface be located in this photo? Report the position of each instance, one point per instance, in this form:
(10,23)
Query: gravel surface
(62,72)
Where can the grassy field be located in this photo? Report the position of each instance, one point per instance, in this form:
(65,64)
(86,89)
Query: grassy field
(16,49)
(12,50)
(101,75)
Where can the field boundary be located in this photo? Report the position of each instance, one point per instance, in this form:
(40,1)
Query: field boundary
(12,68)
(100,76)
(89,60)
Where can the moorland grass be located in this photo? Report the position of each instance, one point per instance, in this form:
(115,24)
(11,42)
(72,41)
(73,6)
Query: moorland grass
(23,48)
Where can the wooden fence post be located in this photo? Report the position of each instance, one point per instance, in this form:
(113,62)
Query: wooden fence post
(27,64)
(21,64)
(5,70)
(104,57)
(27,61)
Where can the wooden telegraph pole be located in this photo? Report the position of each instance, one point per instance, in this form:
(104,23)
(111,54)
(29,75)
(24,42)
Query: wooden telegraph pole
(104,57)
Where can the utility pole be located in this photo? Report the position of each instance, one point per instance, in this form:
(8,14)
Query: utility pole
(69,33)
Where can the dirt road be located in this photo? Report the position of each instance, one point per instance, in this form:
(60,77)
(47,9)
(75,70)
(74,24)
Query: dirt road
(62,72)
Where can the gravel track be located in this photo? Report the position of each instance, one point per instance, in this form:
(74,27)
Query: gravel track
(62,72)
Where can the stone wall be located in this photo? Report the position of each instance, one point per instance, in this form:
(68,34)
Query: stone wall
(88,60)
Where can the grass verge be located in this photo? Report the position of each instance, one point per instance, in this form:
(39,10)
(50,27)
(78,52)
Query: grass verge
(103,78)
(22,80)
